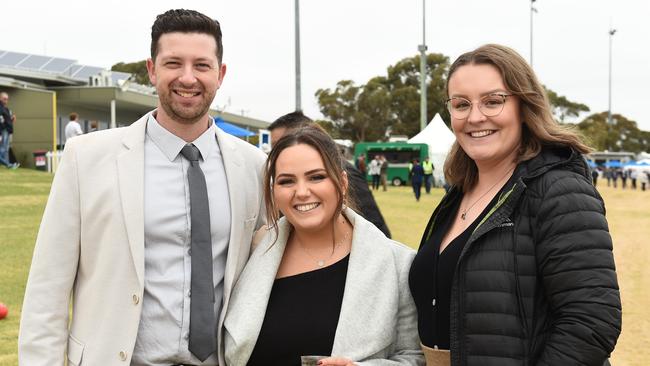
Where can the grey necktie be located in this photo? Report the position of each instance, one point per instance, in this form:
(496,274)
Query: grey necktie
(203,340)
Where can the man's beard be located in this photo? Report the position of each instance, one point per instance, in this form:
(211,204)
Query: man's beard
(182,114)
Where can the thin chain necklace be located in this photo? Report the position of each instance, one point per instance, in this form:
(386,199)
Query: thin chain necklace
(321,262)
(463,215)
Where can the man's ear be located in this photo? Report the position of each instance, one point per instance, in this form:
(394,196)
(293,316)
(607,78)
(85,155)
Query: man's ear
(151,70)
(222,74)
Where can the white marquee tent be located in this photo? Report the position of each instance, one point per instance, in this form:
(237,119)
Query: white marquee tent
(439,138)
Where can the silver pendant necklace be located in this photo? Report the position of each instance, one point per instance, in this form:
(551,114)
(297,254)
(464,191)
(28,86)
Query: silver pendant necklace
(321,262)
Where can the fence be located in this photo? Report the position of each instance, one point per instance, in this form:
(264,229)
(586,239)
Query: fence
(53,159)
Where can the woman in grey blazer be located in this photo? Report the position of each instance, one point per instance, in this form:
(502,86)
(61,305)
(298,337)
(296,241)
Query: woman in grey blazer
(322,281)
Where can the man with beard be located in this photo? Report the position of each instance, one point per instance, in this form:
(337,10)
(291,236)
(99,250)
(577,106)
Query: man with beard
(147,227)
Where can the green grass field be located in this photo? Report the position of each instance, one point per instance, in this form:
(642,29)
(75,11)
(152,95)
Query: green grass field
(23,194)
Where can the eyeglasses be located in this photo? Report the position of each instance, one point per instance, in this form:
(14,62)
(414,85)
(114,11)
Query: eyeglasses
(490,105)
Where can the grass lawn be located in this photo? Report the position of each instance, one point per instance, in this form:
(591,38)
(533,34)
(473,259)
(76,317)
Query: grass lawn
(23,194)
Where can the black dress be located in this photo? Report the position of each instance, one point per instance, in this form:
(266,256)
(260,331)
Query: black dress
(301,316)
(431,277)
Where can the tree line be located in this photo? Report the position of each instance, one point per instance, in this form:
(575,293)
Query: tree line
(390,105)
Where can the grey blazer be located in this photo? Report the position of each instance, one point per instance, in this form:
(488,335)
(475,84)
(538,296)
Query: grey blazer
(378,321)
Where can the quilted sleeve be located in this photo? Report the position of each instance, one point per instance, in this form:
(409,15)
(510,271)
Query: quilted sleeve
(576,265)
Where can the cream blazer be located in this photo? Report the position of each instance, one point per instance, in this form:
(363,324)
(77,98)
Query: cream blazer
(378,321)
(90,248)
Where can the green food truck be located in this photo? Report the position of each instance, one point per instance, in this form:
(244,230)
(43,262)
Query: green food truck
(398,154)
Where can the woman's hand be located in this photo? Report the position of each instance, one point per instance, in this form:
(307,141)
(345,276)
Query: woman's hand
(335,361)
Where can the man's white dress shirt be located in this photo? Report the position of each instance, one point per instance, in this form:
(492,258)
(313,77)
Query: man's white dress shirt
(164,326)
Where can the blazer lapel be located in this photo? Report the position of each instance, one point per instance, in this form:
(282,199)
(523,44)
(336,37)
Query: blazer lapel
(130,167)
(364,327)
(250,298)
(232,163)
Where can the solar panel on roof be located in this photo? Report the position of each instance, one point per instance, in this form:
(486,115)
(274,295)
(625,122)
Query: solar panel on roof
(58,65)
(116,76)
(73,69)
(12,58)
(33,62)
(86,71)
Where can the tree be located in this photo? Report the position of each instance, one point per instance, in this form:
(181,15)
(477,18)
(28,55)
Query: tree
(403,83)
(138,69)
(562,107)
(594,128)
(358,113)
(622,135)
(329,127)
(364,112)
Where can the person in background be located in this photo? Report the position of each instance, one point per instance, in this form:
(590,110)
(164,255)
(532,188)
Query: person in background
(383,171)
(147,227)
(594,176)
(644,178)
(623,173)
(73,128)
(358,193)
(417,177)
(374,170)
(634,175)
(360,164)
(323,280)
(515,266)
(7,119)
(428,168)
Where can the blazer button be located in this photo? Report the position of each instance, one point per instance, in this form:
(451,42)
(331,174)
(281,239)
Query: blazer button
(122,355)
(136,299)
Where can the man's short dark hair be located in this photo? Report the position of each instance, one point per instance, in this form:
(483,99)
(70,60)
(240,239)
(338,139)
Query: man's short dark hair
(291,121)
(185,21)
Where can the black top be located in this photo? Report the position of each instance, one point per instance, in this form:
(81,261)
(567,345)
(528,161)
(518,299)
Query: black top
(5,119)
(432,274)
(360,195)
(301,316)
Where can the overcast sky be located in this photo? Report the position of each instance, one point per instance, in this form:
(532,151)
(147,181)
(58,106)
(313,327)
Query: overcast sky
(358,39)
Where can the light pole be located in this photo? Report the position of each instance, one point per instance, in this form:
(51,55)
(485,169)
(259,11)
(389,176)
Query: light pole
(297,50)
(423,73)
(612,31)
(532,11)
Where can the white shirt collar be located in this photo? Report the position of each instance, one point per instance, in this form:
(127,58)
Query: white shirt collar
(171,144)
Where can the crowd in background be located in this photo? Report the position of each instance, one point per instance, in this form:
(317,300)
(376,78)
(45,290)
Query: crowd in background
(623,177)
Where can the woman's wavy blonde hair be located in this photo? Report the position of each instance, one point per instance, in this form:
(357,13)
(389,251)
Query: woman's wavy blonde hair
(539,128)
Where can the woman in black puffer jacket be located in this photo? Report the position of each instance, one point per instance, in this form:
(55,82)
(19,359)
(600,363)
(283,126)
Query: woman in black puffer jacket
(515,266)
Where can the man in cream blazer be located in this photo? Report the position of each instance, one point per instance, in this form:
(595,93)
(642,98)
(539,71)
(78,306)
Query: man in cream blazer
(91,250)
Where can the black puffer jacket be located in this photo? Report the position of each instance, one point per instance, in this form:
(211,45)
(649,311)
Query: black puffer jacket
(536,282)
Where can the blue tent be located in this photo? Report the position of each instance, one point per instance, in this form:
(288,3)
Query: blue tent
(613,164)
(232,129)
(591,163)
(637,163)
